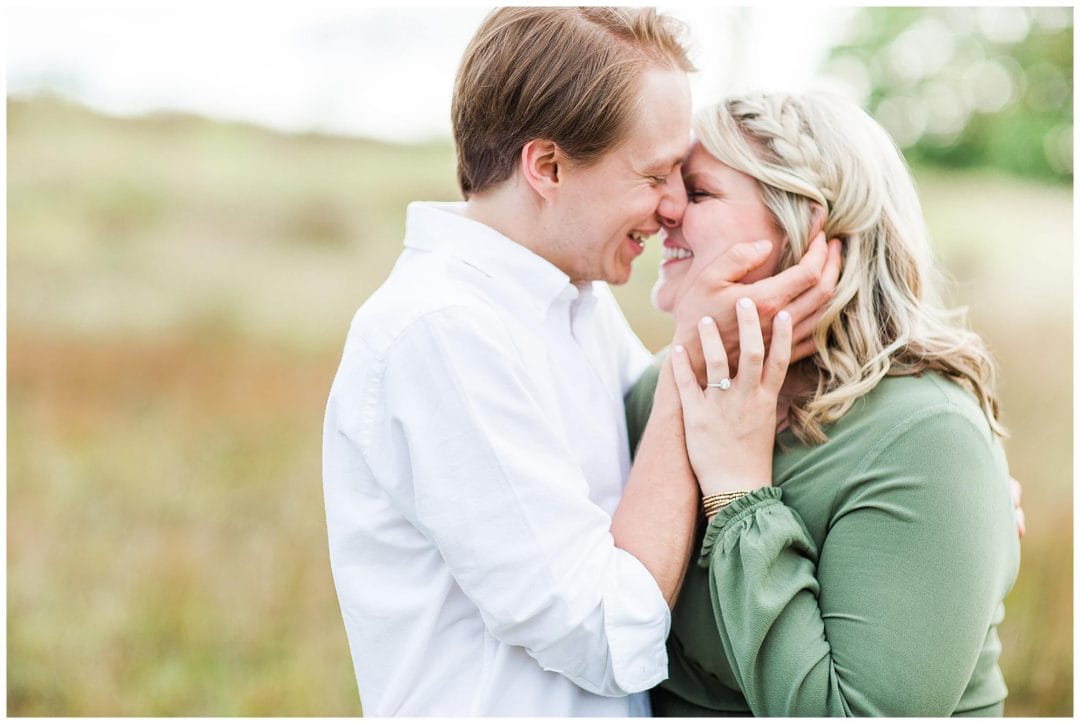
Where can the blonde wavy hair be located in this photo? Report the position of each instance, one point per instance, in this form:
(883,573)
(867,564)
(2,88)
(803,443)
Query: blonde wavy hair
(812,153)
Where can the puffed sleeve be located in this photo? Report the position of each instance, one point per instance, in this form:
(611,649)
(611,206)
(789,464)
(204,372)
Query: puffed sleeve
(495,487)
(889,617)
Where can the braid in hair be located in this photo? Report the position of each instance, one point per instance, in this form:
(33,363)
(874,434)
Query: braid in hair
(814,155)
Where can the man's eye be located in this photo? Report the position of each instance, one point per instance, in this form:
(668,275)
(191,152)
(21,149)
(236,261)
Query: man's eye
(658,180)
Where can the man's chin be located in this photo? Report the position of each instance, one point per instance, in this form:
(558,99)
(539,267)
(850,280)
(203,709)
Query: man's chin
(620,276)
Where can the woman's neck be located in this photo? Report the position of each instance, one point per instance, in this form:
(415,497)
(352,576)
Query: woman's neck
(799,382)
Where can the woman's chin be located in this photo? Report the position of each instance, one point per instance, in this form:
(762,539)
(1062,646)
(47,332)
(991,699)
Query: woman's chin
(663,296)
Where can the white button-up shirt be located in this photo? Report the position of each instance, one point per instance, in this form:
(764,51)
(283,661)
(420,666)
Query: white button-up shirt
(474,452)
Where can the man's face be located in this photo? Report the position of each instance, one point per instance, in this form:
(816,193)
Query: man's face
(606,209)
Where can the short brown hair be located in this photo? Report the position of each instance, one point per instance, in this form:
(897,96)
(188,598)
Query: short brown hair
(567,75)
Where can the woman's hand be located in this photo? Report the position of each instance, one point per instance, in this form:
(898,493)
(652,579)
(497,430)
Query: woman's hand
(730,432)
(804,290)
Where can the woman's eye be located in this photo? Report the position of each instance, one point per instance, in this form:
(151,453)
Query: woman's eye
(697,195)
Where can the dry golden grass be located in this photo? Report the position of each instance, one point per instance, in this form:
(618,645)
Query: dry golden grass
(178,294)
(167,547)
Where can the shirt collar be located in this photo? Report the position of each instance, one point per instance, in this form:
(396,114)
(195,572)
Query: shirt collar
(443,228)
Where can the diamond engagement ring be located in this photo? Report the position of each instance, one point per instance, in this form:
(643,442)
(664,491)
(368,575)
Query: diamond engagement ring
(723,384)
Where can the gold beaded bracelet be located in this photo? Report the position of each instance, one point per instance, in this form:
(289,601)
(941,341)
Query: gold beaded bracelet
(713,504)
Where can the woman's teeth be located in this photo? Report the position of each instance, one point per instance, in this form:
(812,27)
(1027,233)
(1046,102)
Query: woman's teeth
(674,252)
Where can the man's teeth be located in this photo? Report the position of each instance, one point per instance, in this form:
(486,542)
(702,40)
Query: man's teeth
(639,238)
(674,252)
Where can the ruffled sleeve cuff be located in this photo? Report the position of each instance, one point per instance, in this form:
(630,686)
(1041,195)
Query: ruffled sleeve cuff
(731,520)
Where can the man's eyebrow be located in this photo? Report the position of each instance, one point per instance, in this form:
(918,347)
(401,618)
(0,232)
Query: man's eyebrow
(665,165)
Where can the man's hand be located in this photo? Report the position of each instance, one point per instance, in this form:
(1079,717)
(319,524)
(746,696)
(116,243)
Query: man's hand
(803,290)
(1014,485)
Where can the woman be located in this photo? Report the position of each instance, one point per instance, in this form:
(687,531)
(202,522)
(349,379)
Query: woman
(858,566)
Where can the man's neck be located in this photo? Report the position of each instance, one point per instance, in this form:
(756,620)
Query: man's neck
(516,218)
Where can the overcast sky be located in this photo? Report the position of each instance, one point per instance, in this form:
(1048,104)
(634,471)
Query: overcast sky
(373,71)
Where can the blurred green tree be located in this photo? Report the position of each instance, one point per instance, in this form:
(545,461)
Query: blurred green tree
(989,86)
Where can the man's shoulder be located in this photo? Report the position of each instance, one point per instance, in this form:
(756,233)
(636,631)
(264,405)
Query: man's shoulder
(424,289)
(417,314)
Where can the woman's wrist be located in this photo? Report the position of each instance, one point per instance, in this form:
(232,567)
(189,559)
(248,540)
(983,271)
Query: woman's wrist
(713,500)
(741,506)
(713,504)
(730,484)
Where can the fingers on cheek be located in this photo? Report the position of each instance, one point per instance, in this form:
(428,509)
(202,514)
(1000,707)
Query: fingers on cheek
(746,312)
(780,351)
(750,339)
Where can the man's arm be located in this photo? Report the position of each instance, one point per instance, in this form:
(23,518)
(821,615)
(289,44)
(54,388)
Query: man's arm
(459,438)
(658,511)
(656,517)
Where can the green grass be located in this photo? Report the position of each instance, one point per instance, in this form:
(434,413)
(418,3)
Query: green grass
(179,291)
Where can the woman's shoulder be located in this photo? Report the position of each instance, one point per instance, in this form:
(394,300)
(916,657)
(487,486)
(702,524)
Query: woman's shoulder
(900,402)
(925,425)
(903,423)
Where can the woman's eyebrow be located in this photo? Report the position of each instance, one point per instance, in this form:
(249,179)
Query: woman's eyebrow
(699,176)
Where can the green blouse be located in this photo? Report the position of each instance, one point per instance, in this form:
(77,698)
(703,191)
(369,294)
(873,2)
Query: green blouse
(867,581)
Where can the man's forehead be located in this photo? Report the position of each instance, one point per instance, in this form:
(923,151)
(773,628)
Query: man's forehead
(667,158)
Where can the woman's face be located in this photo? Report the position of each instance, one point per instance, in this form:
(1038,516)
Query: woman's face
(725,208)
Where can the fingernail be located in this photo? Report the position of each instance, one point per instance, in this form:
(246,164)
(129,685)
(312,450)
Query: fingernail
(705,320)
(763,246)
(745,303)
(679,349)
(784,316)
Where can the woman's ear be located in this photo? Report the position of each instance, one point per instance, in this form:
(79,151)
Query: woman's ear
(540,166)
(817,222)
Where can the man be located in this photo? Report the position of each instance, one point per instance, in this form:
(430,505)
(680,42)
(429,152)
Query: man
(493,550)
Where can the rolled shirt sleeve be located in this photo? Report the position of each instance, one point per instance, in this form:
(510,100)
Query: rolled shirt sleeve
(474,460)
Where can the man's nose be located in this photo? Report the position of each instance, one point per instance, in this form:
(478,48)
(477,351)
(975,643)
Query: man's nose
(673,204)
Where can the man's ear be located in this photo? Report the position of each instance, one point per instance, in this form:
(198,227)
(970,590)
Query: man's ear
(540,161)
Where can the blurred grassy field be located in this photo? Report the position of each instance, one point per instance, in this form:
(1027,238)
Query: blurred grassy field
(178,293)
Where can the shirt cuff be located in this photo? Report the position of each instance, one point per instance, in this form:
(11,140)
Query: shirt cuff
(730,515)
(636,622)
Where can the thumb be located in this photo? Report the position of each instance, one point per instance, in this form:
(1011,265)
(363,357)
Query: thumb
(740,260)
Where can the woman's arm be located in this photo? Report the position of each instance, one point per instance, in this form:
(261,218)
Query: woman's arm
(892,616)
(657,513)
